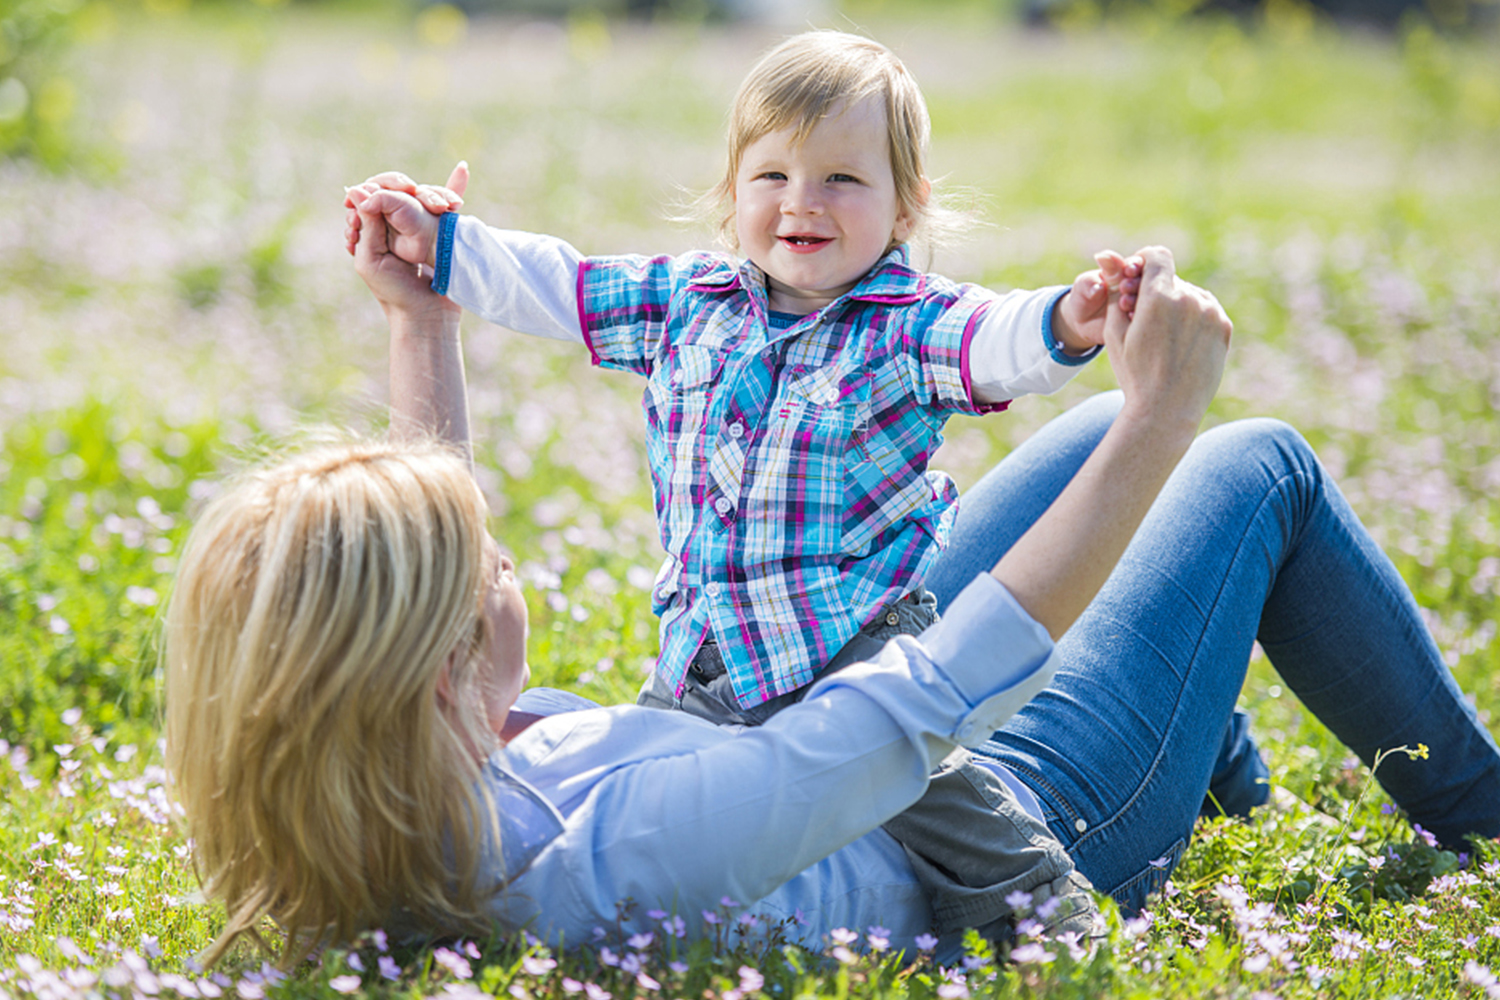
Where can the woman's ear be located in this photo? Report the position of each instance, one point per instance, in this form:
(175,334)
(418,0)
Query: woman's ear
(906,219)
(445,693)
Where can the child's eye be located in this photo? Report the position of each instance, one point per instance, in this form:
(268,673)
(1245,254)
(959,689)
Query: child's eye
(843,179)
(773,175)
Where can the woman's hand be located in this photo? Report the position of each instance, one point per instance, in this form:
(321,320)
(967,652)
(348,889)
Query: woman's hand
(437,200)
(1169,356)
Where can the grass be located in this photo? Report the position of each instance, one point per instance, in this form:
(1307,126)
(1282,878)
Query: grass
(176,303)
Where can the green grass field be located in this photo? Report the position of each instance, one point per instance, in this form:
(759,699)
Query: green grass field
(176,302)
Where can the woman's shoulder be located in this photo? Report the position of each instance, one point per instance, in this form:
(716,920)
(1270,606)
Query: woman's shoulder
(552,701)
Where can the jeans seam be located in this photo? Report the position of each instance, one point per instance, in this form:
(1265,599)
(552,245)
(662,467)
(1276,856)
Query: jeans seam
(1173,855)
(1052,790)
(1192,660)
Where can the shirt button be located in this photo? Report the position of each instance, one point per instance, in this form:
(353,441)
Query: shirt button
(1080,825)
(736,429)
(891,618)
(712,590)
(722,505)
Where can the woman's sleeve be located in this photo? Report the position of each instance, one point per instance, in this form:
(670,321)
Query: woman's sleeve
(741,815)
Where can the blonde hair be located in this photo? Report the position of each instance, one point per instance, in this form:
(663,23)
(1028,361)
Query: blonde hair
(317,605)
(811,76)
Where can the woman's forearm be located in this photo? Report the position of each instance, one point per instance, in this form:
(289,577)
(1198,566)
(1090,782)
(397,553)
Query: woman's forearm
(429,397)
(1058,566)
(1168,357)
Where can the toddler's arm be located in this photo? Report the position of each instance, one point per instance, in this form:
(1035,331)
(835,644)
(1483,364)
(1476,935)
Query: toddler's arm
(523,281)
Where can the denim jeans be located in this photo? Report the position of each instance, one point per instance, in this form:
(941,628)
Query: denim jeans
(1250,539)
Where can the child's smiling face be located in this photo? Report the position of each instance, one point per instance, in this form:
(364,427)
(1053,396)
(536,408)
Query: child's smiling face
(816,216)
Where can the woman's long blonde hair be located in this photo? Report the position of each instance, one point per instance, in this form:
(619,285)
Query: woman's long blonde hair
(317,606)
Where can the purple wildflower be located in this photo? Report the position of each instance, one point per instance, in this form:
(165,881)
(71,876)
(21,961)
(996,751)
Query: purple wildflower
(1032,953)
(537,965)
(454,963)
(750,979)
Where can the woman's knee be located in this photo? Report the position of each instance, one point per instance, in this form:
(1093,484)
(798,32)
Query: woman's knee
(1262,446)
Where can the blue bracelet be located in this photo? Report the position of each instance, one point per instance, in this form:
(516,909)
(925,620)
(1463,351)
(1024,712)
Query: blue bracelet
(444,257)
(1054,348)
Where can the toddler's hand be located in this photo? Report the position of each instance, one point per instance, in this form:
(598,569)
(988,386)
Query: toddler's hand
(1122,275)
(436,199)
(382,255)
(1078,322)
(410,230)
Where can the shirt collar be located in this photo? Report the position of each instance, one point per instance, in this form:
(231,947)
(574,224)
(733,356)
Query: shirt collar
(892,281)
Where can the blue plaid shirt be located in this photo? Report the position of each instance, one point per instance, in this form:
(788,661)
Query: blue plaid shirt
(789,465)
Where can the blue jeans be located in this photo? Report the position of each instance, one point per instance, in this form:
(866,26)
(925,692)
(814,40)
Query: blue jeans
(1250,539)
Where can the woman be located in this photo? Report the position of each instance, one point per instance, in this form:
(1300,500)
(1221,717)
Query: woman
(345,648)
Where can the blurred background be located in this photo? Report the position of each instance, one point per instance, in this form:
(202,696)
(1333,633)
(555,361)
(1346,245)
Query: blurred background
(174,294)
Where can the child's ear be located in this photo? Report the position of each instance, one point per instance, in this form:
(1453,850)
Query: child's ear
(906,220)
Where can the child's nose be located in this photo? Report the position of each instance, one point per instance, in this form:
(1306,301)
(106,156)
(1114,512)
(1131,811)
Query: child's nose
(801,198)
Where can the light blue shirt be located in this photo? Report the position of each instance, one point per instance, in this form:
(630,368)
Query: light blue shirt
(674,813)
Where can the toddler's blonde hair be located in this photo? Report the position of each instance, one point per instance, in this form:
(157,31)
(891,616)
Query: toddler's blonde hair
(317,605)
(804,80)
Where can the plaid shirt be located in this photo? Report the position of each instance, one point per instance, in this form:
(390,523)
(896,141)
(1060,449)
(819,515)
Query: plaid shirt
(789,465)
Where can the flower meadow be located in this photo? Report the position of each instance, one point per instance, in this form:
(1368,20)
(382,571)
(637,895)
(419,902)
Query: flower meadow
(175,302)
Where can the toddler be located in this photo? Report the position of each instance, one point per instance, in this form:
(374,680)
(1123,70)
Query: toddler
(793,398)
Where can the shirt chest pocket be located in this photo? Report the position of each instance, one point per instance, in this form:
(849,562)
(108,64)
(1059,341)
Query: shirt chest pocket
(680,390)
(816,420)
